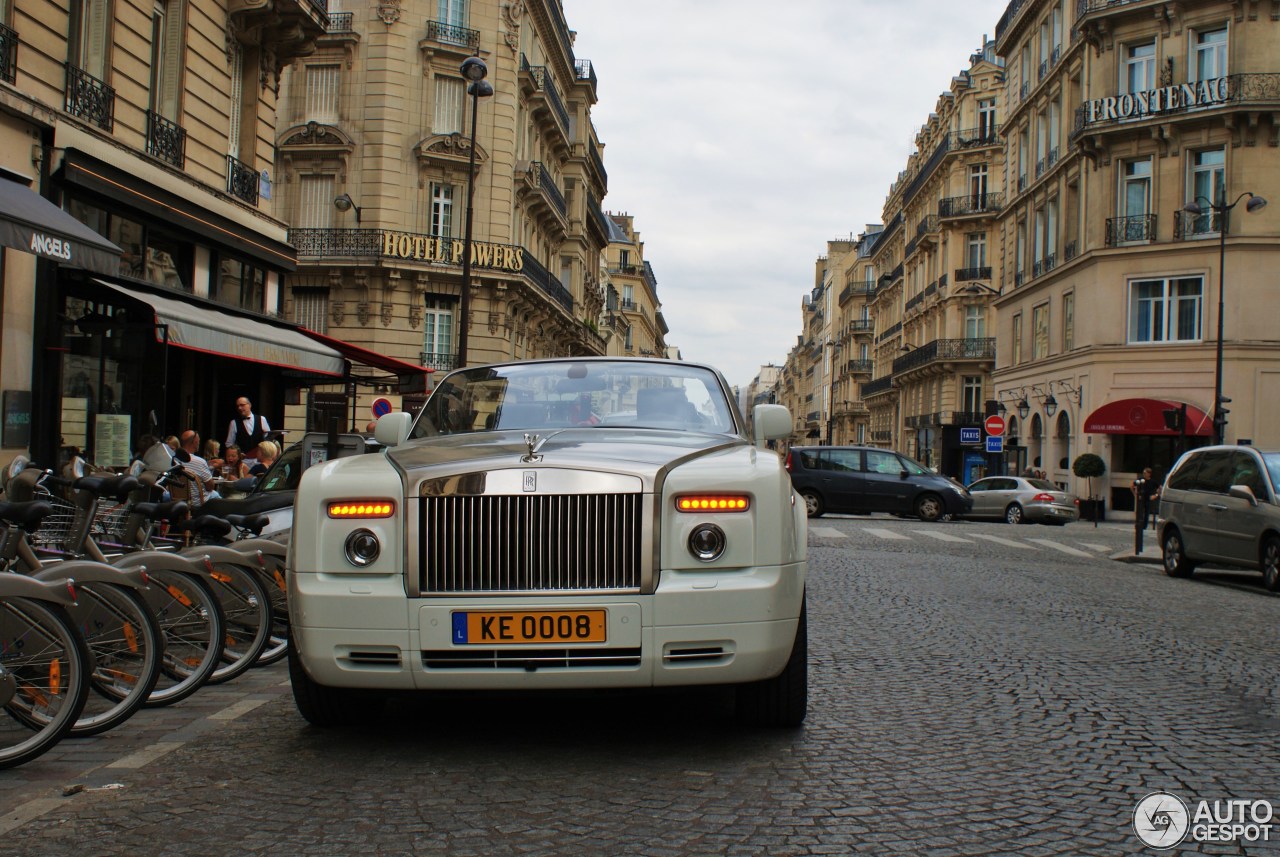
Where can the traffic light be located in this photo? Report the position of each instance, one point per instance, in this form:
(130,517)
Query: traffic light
(1220,420)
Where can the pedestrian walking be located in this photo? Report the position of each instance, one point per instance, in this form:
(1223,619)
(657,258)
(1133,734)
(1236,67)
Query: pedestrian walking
(1141,487)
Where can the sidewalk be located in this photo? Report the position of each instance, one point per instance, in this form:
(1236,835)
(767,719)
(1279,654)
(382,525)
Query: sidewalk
(1151,552)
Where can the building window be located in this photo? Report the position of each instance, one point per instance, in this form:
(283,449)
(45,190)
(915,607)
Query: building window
(89,36)
(442,210)
(450,99)
(975,322)
(1017,338)
(235,59)
(311,309)
(987,120)
(971,394)
(978,186)
(1040,332)
(1210,60)
(322,93)
(238,284)
(315,202)
(628,296)
(1135,189)
(1206,183)
(453,12)
(1165,310)
(437,336)
(862,433)
(1068,321)
(1020,253)
(976,250)
(1139,72)
(166,58)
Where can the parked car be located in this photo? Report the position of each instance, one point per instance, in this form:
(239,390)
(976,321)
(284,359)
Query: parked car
(1220,504)
(1019,500)
(862,479)
(563,524)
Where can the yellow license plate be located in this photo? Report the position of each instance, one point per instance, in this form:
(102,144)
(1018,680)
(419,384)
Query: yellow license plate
(525,627)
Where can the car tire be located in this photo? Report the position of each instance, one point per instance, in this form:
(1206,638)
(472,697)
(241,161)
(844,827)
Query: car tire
(781,701)
(329,706)
(929,507)
(1271,564)
(1014,514)
(813,505)
(1174,553)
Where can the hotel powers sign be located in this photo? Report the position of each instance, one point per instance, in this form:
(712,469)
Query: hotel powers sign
(1162,99)
(404,245)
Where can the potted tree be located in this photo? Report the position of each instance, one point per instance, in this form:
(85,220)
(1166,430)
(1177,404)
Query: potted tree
(1089,466)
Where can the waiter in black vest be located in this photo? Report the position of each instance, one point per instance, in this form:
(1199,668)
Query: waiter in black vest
(248,429)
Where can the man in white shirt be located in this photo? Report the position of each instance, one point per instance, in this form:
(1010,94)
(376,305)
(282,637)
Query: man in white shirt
(247,430)
(196,467)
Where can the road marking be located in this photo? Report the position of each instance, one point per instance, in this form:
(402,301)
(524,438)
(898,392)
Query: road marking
(826,533)
(942,537)
(30,811)
(1095,547)
(886,534)
(146,755)
(231,712)
(1052,544)
(1003,541)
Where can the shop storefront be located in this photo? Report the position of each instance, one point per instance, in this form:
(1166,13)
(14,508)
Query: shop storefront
(1146,433)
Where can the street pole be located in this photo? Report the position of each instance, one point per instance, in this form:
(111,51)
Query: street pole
(475,71)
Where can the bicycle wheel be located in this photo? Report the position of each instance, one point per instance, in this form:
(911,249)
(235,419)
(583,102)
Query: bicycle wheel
(278,645)
(191,620)
(44,677)
(247,607)
(126,643)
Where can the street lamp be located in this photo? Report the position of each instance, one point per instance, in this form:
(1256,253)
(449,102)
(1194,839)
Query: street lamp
(474,71)
(1222,210)
(1024,408)
(346,203)
(1050,405)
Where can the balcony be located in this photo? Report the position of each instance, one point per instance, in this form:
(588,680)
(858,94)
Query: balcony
(1187,226)
(914,301)
(972,204)
(452,35)
(1122,111)
(882,436)
(861,367)
(987,135)
(946,350)
(166,140)
(90,99)
(542,197)
(965,275)
(545,100)
(440,362)
(890,331)
(862,326)
(1138,229)
(290,27)
(8,54)
(242,180)
(877,386)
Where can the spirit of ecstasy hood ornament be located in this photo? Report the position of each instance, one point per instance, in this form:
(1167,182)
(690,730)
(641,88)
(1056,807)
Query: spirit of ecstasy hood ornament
(534,442)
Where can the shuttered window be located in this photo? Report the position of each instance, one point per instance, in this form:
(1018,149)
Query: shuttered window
(450,93)
(315,202)
(311,309)
(322,93)
(237,93)
(166,58)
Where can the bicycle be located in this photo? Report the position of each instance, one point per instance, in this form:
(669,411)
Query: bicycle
(44,667)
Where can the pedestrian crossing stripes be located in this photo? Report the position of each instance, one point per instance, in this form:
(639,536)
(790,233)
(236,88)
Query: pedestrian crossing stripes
(1001,540)
(1060,547)
(940,536)
(885,534)
(946,535)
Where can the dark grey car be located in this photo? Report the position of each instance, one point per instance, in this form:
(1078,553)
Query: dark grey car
(863,479)
(1219,504)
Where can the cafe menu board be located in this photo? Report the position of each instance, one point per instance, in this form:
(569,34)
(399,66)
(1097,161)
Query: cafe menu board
(17,419)
(111,440)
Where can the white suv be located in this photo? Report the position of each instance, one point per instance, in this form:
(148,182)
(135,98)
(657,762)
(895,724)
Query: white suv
(1220,504)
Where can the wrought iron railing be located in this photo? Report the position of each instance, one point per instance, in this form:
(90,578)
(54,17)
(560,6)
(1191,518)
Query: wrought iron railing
(1260,87)
(926,170)
(914,301)
(585,71)
(340,22)
(965,418)
(242,180)
(978,348)
(860,366)
(1187,225)
(1084,7)
(1140,228)
(452,34)
(544,83)
(1070,251)
(337,242)
(89,98)
(593,155)
(964,275)
(974,203)
(889,331)
(435,360)
(547,184)
(877,386)
(166,140)
(8,54)
(862,325)
(987,135)
(882,435)
(1018,278)
(548,282)
(1010,12)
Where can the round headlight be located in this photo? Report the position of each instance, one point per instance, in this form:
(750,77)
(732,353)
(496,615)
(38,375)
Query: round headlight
(707,542)
(362,548)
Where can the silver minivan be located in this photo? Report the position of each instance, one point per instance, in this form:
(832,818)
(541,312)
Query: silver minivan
(1220,504)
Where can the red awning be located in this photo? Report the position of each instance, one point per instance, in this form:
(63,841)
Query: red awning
(366,357)
(1145,416)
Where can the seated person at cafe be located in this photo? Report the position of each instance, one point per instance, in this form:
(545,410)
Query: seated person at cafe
(234,465)
(268,452)
(212,453)
(200,475)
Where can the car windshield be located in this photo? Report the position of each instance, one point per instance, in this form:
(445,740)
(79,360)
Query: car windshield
(284,473)
(1272,460)
(597,394)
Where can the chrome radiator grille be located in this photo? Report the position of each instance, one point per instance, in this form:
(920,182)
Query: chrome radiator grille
(529,543)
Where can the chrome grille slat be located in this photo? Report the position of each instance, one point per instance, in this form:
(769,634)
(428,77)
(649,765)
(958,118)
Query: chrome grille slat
(529,543)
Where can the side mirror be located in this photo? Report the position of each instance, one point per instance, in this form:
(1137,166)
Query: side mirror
(902,474)
(393,429)
(1243,492)
(771,422)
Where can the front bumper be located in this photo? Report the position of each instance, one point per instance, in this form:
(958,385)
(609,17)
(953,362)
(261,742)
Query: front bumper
(361,631)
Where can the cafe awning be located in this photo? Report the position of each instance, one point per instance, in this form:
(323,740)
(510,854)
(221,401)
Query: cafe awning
(198,328)
(32,224)
(1145,416)
(368,357)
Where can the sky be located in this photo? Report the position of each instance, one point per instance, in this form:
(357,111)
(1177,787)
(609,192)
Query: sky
(742,136)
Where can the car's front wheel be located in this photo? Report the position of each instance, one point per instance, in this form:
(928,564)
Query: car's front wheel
(784,699)
(1176,563)
(1271,564)
(813,505)
(929,507)
(1013,514)
(329,706)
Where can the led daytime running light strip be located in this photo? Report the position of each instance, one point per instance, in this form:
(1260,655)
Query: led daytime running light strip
(362,509)
(713,503)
